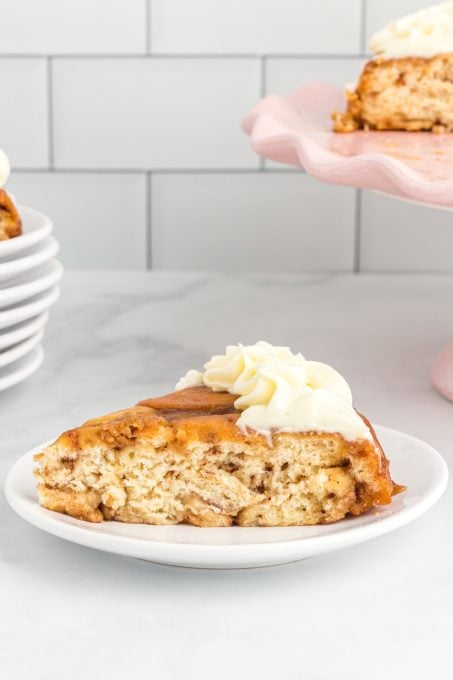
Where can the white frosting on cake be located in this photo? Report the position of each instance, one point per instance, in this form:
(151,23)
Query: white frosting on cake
(422,34)
(279,390)
(4,168)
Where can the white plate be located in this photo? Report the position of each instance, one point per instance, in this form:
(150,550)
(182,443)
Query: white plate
(35,227)
(414,464)
(11,336)
(22,369)
(36,305)
(29,284)
(12,354)
(42,252)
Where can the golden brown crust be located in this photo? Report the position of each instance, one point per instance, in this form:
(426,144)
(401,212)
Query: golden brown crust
(410,94)
(182,458)
(10,222)
(114,429)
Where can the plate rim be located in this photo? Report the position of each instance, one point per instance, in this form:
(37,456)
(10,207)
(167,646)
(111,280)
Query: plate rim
(11,316)
(48,248)
(200,554)
(27,239)
(26,371)
(30,342)
(22,289)
(37,322)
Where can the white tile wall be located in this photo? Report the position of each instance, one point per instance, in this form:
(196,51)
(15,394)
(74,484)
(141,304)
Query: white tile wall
(400,236)
(23,112)
(251,222)
(106,103)
(153,113)
(73,26)
(100,219)
(255,26)
(286,75)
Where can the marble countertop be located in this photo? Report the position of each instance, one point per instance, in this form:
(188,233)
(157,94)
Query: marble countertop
(382,609)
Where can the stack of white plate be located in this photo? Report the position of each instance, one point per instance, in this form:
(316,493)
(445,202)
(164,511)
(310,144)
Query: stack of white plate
(29,276)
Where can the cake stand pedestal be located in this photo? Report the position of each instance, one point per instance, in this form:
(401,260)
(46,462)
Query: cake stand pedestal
(442,372)
(411,166)
(442,367)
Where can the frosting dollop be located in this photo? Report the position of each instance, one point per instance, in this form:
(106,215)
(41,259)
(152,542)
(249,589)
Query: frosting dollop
(4,168)
(279,390)
(422,34)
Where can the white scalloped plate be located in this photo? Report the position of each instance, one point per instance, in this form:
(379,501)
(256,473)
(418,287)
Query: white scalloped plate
(11,336)
(22,369)
(31,307)
(12,266)
(36,227)
(413,463)
(9,356)
(31,283)
(297,130)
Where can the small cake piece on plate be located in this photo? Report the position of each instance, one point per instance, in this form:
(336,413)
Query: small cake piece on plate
(261,437)
(10,222)
(408,85)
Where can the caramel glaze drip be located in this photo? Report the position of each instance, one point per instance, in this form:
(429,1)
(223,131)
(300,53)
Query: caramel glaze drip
(192,402)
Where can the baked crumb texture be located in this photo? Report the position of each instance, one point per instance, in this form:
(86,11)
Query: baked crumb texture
(410,94)
(10,222)
(181,458)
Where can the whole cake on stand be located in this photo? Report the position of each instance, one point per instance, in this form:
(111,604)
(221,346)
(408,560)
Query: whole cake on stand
(391,133)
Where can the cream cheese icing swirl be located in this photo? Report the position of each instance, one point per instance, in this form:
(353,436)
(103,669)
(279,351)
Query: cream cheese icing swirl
(279,390)
(4,168)
(422,34)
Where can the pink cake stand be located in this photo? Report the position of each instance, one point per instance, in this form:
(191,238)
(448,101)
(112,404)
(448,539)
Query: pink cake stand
(414,166)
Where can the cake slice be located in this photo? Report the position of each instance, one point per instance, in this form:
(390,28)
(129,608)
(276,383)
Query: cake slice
(189,457)
(408,85)
(10,222)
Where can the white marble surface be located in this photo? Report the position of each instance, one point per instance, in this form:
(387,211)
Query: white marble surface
(383,609)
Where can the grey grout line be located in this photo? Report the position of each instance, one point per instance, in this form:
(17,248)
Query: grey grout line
(314,56)
(149,223)
(357,230)
(160,171)
(81,171)
(406,273)
(263,66)
(183,55)
(50,117)
(363,26)
(148,20)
